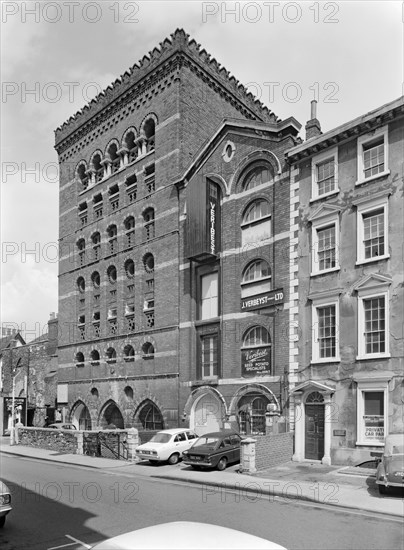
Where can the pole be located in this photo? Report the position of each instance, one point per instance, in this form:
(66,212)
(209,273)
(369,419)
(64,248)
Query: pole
(12,412)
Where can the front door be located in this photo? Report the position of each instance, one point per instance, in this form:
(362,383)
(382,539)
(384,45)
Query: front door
(314,432)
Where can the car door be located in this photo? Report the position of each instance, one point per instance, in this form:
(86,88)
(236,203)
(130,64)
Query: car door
(235,442)
(181,442)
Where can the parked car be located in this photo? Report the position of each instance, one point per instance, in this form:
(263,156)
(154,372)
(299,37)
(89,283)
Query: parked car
(390,471)
(186,534)
(5,502)
(167,445)
(214,450)
(62,426)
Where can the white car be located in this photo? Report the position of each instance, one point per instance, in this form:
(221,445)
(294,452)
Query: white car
(5,502)
(167,445)
(186,534)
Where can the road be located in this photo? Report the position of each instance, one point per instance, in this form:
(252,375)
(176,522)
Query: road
(63,506)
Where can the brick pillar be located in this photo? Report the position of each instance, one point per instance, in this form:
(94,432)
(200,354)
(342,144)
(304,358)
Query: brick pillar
(133,443)
(247,458)
(80,443)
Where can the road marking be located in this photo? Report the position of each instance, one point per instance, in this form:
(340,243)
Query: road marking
(75,541)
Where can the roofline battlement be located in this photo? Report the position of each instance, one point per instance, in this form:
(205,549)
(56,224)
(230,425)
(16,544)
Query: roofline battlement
(122,89)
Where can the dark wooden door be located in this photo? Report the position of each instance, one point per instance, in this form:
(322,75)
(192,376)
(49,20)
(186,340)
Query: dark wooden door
(314,432)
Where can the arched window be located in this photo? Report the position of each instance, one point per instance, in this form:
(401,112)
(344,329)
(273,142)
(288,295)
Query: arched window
(129,353)
(112,233)
(256,278)
(96,242)
(149,131)
(82,175)
(251,414)
(148,262)
(94,392)
(112,274)
(149,228)
(130,231)
(81,285)
(111,355)
(128,392)
(97,167)
(256,211)
(257,175)
(255,337)
(113,156)
(79,359)
(95,279)
(256,224)
(148,349)
(130,268)
(95,357)
(151,418)
(130,144)
(81,246)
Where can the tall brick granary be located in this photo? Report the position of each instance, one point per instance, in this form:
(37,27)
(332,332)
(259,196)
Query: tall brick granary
(174,275)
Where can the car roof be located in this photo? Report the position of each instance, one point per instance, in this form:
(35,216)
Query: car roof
(186,534)
(224,433)
(174,431)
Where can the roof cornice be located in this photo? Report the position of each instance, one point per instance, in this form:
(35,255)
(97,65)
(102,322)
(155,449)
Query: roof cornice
(354,128)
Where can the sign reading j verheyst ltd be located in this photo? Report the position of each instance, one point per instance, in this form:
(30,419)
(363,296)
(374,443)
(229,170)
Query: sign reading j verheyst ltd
(262,300)
(256,361)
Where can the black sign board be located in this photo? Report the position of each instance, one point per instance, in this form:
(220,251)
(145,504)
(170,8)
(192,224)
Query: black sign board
(265,299)
(256,361)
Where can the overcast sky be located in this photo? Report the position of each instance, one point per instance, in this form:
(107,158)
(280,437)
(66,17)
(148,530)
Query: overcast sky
(347,55)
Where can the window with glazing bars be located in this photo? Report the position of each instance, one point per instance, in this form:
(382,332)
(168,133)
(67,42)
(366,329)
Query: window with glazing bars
(375,328)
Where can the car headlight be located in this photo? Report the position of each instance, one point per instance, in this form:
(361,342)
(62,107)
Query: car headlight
(5,499)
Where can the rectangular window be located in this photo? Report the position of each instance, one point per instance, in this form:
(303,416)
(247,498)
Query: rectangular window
(326,331)
(324,173)
(375,335)
(373,155)
(373,158)
(325,176)
(325,322)
(209,351)
(326,247)
(373,229)
(372,415)
(209,296)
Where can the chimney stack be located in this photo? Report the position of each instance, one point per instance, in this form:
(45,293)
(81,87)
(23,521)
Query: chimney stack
(313,128)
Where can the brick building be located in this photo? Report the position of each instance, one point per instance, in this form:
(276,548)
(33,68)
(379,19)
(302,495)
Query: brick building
(347,379)
(171,310)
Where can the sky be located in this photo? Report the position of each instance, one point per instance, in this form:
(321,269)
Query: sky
(56,56)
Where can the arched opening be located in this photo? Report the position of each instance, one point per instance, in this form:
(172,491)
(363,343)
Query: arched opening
(83,176)
(128,393)
(81,417)
(111,417)
(207,414)
(149,129)
(314,426)
(97,167)
(130,144)
(258,174)
(113,157)
(251,413)
(149,416)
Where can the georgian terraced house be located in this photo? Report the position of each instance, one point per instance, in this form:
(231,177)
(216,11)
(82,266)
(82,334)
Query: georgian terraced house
(347,381)
(196,238)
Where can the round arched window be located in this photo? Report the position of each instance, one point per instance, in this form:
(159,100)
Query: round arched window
(257,175)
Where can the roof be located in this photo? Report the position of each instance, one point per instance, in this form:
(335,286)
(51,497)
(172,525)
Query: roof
(42,338)
(5,342)
(362,124)
(174,430)
(132,83)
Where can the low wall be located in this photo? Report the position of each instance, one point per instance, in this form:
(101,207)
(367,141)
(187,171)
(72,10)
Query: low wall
(272,450)
(64,441)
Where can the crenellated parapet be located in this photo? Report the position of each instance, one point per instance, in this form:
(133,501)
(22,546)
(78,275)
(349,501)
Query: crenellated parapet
(161,66)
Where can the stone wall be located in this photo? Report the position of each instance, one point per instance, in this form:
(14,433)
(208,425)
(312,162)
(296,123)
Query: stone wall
(63,441)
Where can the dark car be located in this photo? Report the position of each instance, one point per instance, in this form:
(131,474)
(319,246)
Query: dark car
(214,450)
(390,471)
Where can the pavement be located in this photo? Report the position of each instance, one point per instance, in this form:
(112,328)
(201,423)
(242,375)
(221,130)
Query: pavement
(346,487)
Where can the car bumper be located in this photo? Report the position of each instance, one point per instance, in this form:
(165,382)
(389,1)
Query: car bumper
(146,456)
(390,483)
(4,510)
(198,463)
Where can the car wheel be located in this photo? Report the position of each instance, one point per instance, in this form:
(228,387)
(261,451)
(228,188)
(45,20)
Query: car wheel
(154,462)
(382,489)
(174,458)
(2,521)
(221,465)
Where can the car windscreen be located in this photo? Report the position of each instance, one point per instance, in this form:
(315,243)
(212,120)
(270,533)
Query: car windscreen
(160,438)
(210,442)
